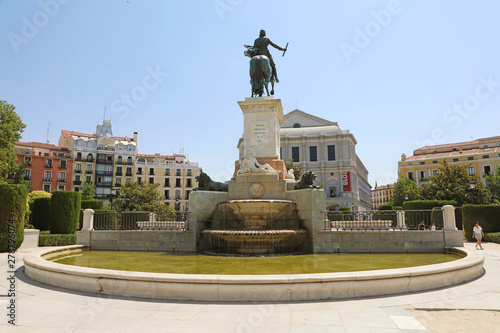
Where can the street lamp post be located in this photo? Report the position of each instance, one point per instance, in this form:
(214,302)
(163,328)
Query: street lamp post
(472,185)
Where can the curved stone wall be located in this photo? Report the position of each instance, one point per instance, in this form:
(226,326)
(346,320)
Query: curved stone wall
(245,288)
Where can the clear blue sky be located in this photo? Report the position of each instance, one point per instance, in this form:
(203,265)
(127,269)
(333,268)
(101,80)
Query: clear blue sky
(397,74)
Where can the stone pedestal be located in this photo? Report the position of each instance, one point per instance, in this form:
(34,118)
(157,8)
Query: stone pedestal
(262,119)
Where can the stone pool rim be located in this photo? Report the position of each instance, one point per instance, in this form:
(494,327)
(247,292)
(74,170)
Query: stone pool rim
(245,288)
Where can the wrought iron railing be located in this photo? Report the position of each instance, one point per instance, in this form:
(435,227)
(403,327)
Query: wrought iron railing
(388,220)
(141,221)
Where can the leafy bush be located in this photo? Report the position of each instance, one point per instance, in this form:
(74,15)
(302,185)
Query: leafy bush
(13,200)
(344,209)
(397,207)
(64,212)
(427,204)
(46,239)
(492,237)
(92,204)
(40,216)
(486,215)
(385,207)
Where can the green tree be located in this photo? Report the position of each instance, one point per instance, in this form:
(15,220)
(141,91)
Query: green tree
(493,181)
(11,128)
(297,168)
(143,197)
(453,183)
(404,187)
(88,191)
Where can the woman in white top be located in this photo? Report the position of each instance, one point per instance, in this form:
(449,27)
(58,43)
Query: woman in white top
(477,233)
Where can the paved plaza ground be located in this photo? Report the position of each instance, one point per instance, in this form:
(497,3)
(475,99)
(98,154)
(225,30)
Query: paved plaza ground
(471,307)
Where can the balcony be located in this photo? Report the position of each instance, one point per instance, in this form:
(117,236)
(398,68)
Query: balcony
(102,161)
(62,166)
(90,172)
(77,182)
(47,179)
(107,184)
(119,173)
(48,165)
(139,172)
(124,163)
(78,171)
(61,180)
(128,174)
(104,173)
(90,160)
(118,184)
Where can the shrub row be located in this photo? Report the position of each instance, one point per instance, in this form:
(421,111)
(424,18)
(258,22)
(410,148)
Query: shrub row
(492,237)
(64,212)
(56,239)
(13,200)
(486,215)
(92,204)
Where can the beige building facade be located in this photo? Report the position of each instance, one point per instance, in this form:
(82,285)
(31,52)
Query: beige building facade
(381,195)
(481,157)
(321,146)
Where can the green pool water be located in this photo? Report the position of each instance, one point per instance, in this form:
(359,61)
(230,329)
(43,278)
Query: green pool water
(160,262)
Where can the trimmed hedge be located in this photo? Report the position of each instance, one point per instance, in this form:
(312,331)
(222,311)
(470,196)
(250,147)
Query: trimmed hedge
(458,218)
(492,237)
(40,213)
(92,204)
(65,212)
(344,209)
(385,207)
(56,239)
(13,200)
(486,215)
(413,218)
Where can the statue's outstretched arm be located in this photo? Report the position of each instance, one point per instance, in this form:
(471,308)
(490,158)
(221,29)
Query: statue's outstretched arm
(276,46)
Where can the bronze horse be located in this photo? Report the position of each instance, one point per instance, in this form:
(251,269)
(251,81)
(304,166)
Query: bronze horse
(261,75)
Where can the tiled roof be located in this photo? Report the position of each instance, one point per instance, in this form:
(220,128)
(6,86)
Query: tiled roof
(454,154)
(41,145)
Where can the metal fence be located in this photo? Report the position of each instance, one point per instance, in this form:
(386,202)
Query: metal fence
(384,220)
(141,221)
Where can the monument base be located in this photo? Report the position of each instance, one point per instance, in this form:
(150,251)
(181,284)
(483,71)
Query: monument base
(278,165)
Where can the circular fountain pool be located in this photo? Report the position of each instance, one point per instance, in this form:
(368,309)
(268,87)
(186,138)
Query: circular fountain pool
(244,288)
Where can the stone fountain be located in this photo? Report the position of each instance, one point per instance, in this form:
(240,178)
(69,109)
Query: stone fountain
(261,213)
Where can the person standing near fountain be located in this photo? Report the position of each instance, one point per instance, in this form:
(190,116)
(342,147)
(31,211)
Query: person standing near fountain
(478,234)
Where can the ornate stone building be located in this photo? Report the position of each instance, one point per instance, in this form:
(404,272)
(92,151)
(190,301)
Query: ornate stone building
(321,146)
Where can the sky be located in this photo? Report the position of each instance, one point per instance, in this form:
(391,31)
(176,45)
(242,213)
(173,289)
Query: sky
(398,74)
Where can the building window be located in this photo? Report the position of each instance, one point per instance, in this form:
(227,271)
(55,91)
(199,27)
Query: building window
(296,125)
(119,160)
(118,180)
(151,171)
(62,176)
(313,153)
(62,165)
(331,153)
(471,170)
(151,180)
(189,182)
(178,195)
(410,176)
(118,171)
(77,178)
(455,160)
(422,163)
(48,163)
(139,180)
(90,157)
(79,156)
(129,172)
(167,182)
(61,188)
(470,158)
(295,154)
(178,172)
(435,172)
(129,160)
(166,193)
(47,176)
(139,171)
(423,175)
(46,187)
(177,182)
(486,170)
(281,153)
(333,192)
(27,174)
(167,172)
(89,168)
(187,194)
(434,162)
(78,167)
(189,173)
(88,180)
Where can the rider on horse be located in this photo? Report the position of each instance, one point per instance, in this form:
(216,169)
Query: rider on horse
(260,46)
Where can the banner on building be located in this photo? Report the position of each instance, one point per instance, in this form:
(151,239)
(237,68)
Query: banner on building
(346,181)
